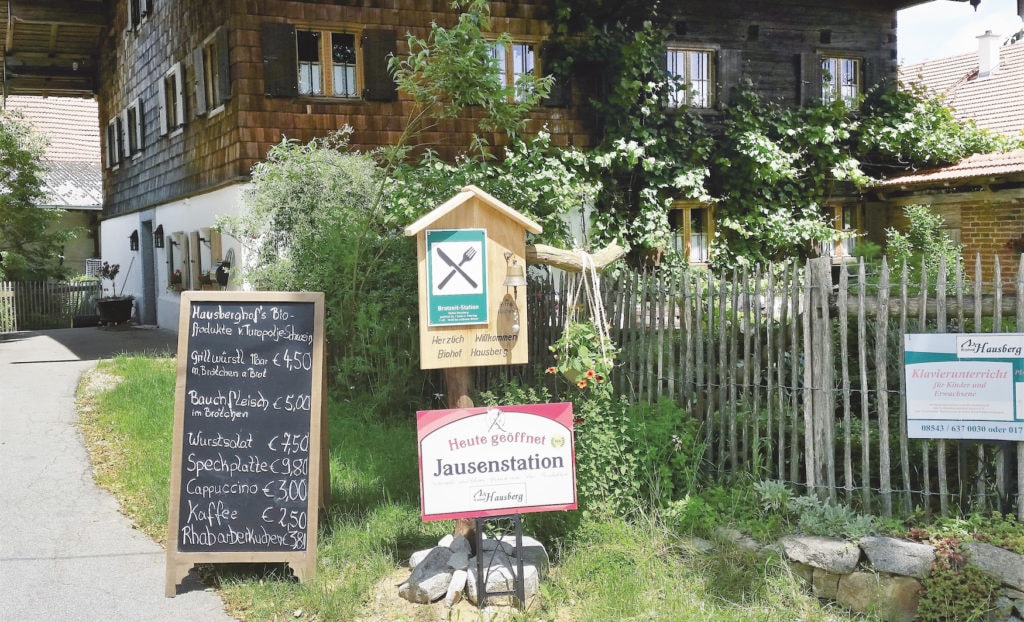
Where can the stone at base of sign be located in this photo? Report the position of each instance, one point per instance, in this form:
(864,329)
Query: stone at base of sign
(431,579)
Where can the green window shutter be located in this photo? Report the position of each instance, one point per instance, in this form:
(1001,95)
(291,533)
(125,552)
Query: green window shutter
(223,67)
(561,89)
(378,46)
(809,79)
(730,73)
(280,60)
(872,73)
(199,80)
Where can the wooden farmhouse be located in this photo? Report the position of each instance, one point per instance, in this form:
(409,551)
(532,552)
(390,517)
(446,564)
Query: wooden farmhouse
(192,93)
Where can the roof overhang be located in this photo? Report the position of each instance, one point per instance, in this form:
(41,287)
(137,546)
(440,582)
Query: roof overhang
(50,47)
(995,176)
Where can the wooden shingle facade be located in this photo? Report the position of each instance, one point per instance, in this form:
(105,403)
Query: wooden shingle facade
(216,140)
(259,44)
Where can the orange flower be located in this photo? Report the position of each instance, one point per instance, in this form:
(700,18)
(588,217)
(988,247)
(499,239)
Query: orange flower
(582,384)
(591,374)
(598,378)
(551,370)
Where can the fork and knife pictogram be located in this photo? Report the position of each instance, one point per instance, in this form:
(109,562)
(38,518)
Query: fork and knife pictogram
(457,267)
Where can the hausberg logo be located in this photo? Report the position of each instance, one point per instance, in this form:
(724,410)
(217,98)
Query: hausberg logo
(999,346)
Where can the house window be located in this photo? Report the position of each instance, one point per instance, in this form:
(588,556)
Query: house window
(138,11)
(692,228)
(210,70)
(844,221)
(172,100)
(692,82)
(515,60)
(337,77)
(113,153)
(342,61)
(211,76)
(840,79)
(133,126)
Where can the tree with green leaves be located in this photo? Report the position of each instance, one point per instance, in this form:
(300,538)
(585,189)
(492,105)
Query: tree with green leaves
(31,240)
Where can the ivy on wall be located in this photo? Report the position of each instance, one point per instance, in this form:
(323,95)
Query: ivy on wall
(768,170)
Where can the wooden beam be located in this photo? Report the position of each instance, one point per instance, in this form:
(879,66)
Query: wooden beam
(75,87)
(44,59)
(572,261)
(60,12)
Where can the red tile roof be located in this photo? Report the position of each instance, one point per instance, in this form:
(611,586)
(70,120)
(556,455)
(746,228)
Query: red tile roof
(74,177)
(980,165)
(995,102)
(72,125)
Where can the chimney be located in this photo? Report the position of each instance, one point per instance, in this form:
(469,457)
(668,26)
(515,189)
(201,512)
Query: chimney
(988,54)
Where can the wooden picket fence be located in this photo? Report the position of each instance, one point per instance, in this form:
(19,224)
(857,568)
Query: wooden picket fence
(41,305)
(796,374)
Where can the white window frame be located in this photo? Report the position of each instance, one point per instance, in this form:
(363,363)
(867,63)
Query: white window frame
(172,125)
(840,78)
(518,59)
(698,91)
(133,128)
(113,152)
(325,78)
(207,77)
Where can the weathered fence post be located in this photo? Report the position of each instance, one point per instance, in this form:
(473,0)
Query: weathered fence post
(819,419)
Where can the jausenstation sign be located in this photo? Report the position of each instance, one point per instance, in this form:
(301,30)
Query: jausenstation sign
(491,461)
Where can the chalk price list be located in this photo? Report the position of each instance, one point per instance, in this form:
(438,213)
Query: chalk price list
(246,446)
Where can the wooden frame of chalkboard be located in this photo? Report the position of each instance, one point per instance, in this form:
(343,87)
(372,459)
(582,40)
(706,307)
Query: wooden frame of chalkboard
(249,460)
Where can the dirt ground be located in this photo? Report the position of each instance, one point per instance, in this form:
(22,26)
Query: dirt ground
(386,604)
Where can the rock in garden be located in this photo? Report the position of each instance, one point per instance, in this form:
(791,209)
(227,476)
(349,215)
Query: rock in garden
(429,580)
(896,556)
(455,588)
(1004,565)
(831,554)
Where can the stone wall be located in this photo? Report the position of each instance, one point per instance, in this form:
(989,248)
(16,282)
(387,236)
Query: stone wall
(883,576)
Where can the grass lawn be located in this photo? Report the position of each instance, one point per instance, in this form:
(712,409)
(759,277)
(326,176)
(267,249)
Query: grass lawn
(602,569)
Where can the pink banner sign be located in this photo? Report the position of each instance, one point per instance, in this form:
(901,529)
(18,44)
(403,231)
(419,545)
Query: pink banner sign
(477,462)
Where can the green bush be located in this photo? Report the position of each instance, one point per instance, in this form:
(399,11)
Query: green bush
(314,221)
(923,246)
(670,450)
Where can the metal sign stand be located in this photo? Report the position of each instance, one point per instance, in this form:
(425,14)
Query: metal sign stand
(483,569)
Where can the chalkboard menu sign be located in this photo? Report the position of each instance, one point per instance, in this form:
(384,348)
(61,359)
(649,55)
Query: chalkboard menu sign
(247,456)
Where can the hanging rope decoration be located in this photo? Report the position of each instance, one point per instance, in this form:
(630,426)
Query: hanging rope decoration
(590,285)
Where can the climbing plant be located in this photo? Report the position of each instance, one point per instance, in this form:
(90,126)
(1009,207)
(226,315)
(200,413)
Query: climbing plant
(768,170)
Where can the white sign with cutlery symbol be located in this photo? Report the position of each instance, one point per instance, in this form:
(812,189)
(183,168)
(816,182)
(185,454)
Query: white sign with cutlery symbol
(457,268)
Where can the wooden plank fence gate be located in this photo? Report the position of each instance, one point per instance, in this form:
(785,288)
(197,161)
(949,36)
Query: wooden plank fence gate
(41,305)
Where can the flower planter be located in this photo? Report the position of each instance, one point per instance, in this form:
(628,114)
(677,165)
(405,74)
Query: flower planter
(115,310)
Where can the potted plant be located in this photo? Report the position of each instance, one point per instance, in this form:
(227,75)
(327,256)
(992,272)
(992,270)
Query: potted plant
(115,308)
(584,354)
(174,283)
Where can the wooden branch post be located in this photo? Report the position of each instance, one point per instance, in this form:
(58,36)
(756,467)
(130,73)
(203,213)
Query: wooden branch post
(818,371)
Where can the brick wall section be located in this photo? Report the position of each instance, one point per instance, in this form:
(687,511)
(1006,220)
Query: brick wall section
(987,230)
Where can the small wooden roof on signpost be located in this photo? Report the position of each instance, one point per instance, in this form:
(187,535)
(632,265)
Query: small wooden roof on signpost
(467,194)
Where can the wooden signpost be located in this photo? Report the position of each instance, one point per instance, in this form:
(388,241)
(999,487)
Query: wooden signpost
(466,248)
(248,461)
